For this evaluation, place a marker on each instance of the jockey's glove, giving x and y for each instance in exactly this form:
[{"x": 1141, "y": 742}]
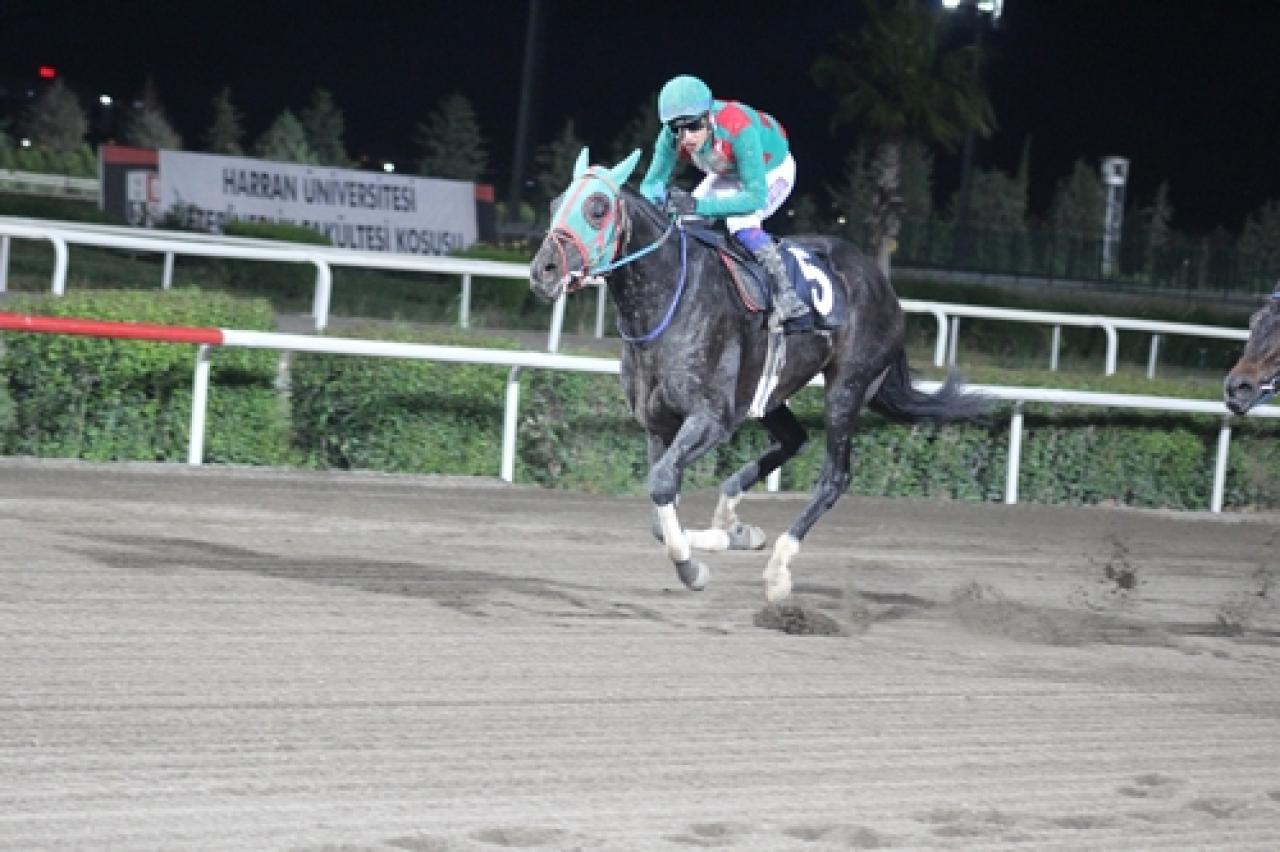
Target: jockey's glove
[{"x": 680, "y": 203}]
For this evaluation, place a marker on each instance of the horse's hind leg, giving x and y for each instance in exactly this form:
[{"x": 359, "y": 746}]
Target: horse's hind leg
[
  {"x": 839, "y": 421},
  {"x": 788, "y": 439}
]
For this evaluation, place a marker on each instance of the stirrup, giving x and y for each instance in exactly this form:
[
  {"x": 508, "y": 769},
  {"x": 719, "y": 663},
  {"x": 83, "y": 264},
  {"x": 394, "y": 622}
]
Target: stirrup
[{"x": 775, "y": 359}]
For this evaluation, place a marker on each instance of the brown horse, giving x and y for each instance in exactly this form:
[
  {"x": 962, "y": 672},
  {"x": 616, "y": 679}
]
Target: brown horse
[
  {"x": 1254, "y": 378},
  {"x": 693, "y": 357}
]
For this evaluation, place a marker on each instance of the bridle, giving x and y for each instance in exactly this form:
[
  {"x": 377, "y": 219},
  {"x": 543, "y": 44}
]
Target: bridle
[
  {"x": 608, "y": 238},
  {"x": 1268, "y": 388}
]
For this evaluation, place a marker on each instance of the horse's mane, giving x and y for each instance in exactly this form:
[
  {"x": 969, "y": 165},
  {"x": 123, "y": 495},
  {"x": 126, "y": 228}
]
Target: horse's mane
[{"x": 646, "y": 208}]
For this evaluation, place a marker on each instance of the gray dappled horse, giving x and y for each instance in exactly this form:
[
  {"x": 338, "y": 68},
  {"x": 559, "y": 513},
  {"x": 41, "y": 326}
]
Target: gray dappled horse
[
  {"x": 693, "y": 356},
  {"x": 1254, "y": 377}
]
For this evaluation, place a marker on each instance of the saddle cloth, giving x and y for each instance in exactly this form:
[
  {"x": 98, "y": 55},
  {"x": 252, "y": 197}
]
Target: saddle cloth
[{"x": 810, "y": 273}]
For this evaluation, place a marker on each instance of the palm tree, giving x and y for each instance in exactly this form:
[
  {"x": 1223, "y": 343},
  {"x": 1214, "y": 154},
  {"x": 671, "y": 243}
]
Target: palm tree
[{"x": 896, "y": 81}]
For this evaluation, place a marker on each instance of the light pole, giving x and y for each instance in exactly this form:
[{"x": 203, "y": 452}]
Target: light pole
[
  {"x": 981, "y": 8},
  {"x": 1115, "y": 173},
  {"x": 532, "y": 37}
]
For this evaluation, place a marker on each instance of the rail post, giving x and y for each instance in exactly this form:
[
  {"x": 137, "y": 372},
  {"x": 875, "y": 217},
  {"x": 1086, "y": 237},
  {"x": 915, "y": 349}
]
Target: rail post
[
  {"x": 510, "y": 421},
  {"x": 1220, "y": 466},
  {"x": 464, "y": 306},
  {"x": 199, "y": 404},
  {"x": 1015, "y": 456}
]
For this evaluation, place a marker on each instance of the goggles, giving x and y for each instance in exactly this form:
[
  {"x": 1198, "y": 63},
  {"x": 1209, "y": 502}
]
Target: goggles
[{"x": 692, "y": 125}]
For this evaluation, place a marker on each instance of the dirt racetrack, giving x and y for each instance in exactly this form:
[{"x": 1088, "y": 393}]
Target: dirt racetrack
[{"x": 231, "y": 659}]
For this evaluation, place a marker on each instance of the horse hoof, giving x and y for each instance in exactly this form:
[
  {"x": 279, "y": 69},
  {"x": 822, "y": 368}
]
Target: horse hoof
[
  {"x": 777, "y": 588},
  {"x": 743, "y": 537},
  {"x": 693, "y": 574},
  {"x": 655, "y": 527}
]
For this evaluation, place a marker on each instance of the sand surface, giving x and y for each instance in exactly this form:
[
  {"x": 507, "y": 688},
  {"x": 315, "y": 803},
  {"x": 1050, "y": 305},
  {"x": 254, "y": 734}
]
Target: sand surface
[{"x": 231, "y": 659}]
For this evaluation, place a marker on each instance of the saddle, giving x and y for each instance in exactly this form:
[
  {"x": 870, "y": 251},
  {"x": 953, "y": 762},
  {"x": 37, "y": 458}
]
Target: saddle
[{"x": 811, "y": 275}]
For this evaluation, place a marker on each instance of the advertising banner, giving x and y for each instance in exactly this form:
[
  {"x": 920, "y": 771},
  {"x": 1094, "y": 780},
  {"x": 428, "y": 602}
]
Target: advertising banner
[
  {"x": 366, "y": 211},
  {"x": 128, "y": 184}
]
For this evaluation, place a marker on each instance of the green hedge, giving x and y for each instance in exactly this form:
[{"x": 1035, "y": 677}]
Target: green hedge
[
  {"x": 575, "y": 432},
  {"x": 398, "y": 415},
  {"x": 90, "y": 398},
  {"x": 97, "y": 399}
]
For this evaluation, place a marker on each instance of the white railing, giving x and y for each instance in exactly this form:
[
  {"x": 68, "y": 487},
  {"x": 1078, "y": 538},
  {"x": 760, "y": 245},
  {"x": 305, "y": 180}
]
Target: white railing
[
  {"x": 59, "y": 186},
  {"x": 208, "y": 338},
  {"x": 949, "y": 323},
  {"x": 548, "y": 361},
  {"x": 173, "y": 243},
  {"x": 170, "y": 244}
]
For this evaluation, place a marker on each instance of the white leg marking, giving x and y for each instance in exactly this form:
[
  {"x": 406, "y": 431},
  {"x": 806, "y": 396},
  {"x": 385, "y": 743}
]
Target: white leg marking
[
  {"x": 726, "y": 512},
  {"x": 708, "y": 539},
  {"x": 676, "y": 540},
  {"x": 777, "y": 576}
]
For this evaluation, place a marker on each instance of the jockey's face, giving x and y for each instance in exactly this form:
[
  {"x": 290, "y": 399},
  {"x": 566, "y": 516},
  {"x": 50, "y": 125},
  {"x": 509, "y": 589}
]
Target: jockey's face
[{"x": 691, "y": 133}]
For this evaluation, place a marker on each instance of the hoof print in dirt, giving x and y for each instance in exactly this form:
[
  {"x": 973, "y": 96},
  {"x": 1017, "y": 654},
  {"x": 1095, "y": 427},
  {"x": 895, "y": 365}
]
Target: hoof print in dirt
[{"x": 797, "y": 620}]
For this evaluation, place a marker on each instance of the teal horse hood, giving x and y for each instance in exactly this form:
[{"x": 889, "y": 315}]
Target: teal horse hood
[{"x": 587, "y": 214}]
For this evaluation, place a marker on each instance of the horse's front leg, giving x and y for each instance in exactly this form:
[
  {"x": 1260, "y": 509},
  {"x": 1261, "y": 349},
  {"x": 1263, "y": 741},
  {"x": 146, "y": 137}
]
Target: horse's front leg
[
  {"x": 698, "y": 434},
  {"x": 788, "y": 439}
]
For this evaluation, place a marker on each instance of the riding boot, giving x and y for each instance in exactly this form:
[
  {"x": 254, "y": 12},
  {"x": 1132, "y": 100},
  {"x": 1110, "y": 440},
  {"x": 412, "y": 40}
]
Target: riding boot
[{"x": 786, "y": 304}]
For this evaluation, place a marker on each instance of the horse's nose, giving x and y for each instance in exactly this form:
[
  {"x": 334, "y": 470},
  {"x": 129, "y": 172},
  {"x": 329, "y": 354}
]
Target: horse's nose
[
  {"x": 1237, "y": 385},
  {"x": 1239, "y": 392},
  {"x": 544, "y": 269}
]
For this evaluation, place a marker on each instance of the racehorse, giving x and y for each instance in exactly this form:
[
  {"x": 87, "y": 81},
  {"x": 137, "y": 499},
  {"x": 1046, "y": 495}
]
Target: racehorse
[
  {"x": 693, "y": 357},
  {"x": 1254, "y": 378}
]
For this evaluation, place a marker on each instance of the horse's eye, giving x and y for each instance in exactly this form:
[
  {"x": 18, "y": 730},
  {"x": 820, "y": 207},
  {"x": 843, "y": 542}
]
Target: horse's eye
[{"x": 596, "y": 209}]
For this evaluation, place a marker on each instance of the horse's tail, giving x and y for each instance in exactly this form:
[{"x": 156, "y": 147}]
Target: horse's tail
[{"x": 898, "y": 398}]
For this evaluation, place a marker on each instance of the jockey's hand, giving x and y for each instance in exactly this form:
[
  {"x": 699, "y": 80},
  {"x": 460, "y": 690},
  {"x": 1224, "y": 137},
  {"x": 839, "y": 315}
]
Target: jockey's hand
[{"x": 680, "y": 203}]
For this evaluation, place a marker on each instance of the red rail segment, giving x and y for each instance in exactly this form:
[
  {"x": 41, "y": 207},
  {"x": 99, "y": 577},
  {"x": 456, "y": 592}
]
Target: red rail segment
[{"x": 110, "y": 328}]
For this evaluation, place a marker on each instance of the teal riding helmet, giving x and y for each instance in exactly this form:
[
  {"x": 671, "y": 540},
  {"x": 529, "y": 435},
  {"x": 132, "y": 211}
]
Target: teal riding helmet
[{"x": 682, "y": 97}]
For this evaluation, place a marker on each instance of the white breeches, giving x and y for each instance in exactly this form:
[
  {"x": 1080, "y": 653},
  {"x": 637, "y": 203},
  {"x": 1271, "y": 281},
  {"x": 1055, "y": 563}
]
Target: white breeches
[{"x": 779, "y": 180}]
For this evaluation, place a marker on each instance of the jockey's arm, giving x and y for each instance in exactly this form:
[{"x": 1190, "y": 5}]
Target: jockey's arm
[
  {"x": 654, "y": 185},
  {"x": 748, "y": 154}
]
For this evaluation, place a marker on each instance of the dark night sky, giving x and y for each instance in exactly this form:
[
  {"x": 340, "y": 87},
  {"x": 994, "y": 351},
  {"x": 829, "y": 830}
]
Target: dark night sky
[{"x": 1186, "y": 91}]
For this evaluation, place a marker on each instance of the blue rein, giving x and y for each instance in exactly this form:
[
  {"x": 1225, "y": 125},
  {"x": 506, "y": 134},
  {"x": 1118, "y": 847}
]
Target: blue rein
[
  {"x": 635, "y": 255},
  {"x": 671, "y": 309}
]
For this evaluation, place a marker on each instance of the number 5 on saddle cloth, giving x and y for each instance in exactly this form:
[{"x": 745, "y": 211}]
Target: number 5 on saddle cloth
[{"x": 811, "y": 276}]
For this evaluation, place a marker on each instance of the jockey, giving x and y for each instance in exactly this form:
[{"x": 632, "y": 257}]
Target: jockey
[{"x": 749, "y": 173}]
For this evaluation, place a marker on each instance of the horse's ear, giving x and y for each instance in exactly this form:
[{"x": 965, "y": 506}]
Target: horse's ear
[
  {"x": 580, "y": 165},
  {"x": 623, "y": 170}
]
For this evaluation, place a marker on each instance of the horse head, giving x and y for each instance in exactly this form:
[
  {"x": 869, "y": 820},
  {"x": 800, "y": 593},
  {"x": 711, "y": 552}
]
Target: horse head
[
  {"x": 589, "y": 223},
  {"x": 1254, "y": 378}
]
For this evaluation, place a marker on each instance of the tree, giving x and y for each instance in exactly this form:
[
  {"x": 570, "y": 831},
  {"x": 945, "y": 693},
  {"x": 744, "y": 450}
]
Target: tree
[
  {"x": 285, "y": 140},
  {"x": 147, "y": 126},
  {"x": 1158, "y": 221},
  {"x": 638, "y": 132},
  {"x": 554, "y": 161},
  {"x": 1260, "y": 240},
  {"x": 804, "y": 216},
  {"x": 998, "y": 201},
  {"x": 56, "y": 121},
  {"x": 227, "y": 130},
  {"x": 853, "y": 198},
  {"x": 1079, "y": 204},
  {"x": 450, "y": 142},
  {"x": 1076, "y": 215},
  {"x": 916, "y": 187},
  {"x": 323, "y": 125},
  {"x": 894, "y": 79}
]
